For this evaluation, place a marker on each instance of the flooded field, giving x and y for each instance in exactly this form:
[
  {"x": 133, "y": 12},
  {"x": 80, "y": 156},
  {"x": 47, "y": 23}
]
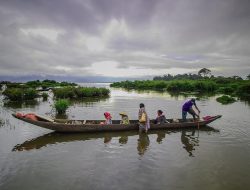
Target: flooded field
[{"x": 215, "y": 157}]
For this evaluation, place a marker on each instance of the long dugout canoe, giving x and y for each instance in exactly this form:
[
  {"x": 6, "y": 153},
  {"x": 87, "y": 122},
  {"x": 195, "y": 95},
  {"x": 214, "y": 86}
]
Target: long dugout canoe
[{"x": 85, "y": 126}]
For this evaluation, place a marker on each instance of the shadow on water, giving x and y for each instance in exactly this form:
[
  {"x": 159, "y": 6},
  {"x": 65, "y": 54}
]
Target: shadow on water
[
  {"x": 246, "y": 100},
  {"x": 21, "y": 104},
  {"x": 143, "y": 143},
  {"x": 89, "y": 101},
  {"x": 188, "y": 139},
  {"x": 199, "y": 95}
]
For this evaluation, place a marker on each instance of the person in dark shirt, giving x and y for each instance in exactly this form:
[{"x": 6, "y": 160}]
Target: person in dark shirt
[
  {"x": 160, "y": 118},
  {"x": 188, "y": 108}
]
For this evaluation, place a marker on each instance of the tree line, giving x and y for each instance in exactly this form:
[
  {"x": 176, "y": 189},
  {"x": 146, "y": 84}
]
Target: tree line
[{"x": 203, "y": 73}]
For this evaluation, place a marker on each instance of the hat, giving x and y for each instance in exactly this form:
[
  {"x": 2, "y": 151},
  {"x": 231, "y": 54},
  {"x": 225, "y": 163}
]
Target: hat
[{"x": 123, "y": 113}]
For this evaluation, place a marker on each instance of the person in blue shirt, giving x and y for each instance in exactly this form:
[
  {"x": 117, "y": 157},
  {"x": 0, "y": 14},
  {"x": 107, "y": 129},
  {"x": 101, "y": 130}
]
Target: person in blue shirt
[{"x": 188, "y": 108}]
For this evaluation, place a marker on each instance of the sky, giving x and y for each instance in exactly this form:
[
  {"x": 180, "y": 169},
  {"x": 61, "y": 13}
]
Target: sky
[{"x": 116, "y": 38}]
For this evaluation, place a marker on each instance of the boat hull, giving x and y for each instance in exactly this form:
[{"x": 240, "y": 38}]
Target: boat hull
[{"x": 88, "y": 128}]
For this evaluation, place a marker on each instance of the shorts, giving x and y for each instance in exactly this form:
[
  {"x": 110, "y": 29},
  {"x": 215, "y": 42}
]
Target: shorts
[{"x": 184, "y": 115}]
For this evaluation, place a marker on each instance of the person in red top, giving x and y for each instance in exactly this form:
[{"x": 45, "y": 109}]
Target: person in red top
[{"x": 108, "y": 118}]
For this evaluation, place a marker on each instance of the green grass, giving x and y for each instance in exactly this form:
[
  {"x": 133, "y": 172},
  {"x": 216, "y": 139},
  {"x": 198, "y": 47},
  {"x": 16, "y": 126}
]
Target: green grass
[
  {"x": 172, "y": 86},
  {"x": 61, "y": 106},
  {"x": 80, "y": 92},
  {"x": 45, "y": 96},
  {"x": 48, "y": 83},
  {"x": 225, "y": 99},
  {"x": 37, "y": 83},
  {"x": 16, "y": 94}
]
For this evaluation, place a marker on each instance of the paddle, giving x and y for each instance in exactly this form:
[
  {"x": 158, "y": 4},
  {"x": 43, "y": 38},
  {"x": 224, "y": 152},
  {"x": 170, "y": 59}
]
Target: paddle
[{"x": 198, "y": 121}]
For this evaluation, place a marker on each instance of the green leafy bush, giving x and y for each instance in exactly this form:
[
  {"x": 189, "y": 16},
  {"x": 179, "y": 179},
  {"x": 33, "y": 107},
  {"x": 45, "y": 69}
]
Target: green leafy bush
[
  {"x": 45, "y": 96},
  {"x": 81, "y": 92},
  {"x": 225, "y": 99},
  {"x": 61, "y": 106},
  {"x": 30, "y": 94},
  {"x": 16, "y": 94},
  {"x": 244, "y": 90}
]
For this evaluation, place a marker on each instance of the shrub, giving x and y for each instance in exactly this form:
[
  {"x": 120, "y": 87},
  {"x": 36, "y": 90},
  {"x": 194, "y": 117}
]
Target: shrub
[
  {"x": 226, "y": 90},
  {"x": 30, "y": 94},
  {"x": 66, "y": 92},
  {"x": 13, "y": 94},
  {"x": 243, "y": 90},
  {"x": 45, "y": 96},
  {"x": 16, "y": 94},
  {"x": 81, "y": 92},
  {"x": 225, "y": 99},
  {"x": 61, "y": 106}
]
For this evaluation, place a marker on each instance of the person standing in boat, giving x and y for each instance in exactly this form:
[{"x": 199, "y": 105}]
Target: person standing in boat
[
  {"x": 144, "y": 122},
  {"x": 188, "y": 108}
]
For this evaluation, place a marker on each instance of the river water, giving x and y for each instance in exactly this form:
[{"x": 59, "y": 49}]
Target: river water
[{"x": 214, "y": 157}]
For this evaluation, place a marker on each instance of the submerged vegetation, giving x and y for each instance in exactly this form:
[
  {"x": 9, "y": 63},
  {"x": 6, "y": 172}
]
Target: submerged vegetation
[
  {"x": 225, "y": 99},
  {"x": 80, "y": 92},
  {"x": 203, "y": 85},
  {"x": 200, "y": 83},
  {"x": 61, "y": 106},
  {"x": 45, "y": 96},
  {"x": 61, "y": 90},
  {"x": 45, "y": 84},
  {"x": 17, "y": 94}
]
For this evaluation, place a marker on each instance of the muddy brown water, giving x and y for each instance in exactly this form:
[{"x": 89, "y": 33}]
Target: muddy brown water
[{"x": 215, "y": 157}]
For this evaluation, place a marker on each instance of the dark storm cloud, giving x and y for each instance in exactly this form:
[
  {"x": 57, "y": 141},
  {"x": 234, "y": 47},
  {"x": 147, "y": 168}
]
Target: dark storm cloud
[{"x": 68, "y": 36}]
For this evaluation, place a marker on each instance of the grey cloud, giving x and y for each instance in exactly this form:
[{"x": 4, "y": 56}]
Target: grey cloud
[{"x": 215, "y": 32}]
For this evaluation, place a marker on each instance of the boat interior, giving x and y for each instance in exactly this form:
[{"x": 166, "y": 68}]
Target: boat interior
[{"x": 113, "y": 121}]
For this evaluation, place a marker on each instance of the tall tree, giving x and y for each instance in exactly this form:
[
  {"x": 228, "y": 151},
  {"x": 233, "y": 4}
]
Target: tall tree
[
  {"x": 248, "y": 77},
  {"x": 204, "y": 72}
]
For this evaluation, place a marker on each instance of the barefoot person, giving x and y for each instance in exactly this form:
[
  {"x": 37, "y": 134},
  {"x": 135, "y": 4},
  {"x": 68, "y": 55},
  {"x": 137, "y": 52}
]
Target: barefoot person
[{"x": 188, "y": 108}]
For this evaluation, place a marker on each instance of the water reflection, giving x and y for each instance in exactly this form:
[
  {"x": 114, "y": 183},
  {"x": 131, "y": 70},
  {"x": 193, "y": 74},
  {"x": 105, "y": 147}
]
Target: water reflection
[
  {"x": 21, "y": 104},
  {"x": 189, "y": 139},
  {"x": 123, "y": 139},
  {"x": 143, "y": 143},
  {"x": 56, "y": 138},
  {"x": 61, "y": 116},
  {"x": 162, "y": 93},
  {"x": 89, "y": 102},
  {"x": 160, "y": 136},
  {"x": 1, "y": 122}
]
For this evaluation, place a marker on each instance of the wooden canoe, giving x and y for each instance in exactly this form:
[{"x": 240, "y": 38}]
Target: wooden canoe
[{"x": 84, "y": 126}]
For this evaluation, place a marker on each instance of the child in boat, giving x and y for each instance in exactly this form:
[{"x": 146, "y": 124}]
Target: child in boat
[
  {"x": 108, "y": 118},
  {"x": 125, "y": 119},
  {"x": 160, "y": 118}
]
